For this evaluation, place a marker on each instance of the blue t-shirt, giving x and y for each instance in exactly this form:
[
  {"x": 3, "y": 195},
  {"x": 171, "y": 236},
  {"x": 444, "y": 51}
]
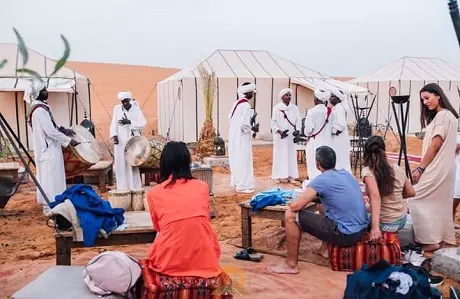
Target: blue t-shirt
[{"x": 343, "y": 201}]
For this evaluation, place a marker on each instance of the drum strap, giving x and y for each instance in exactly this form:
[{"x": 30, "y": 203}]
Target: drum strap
[
  {"x": 286, "y": 118},
  {"x": 237, "y": 104},
  {"x": 35, "y": 107},
  {"x": 329, "y": 111}
]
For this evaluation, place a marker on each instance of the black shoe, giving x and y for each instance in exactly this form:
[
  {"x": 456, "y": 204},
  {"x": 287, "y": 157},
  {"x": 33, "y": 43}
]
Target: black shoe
[
  {"x": 454, "y": 293},
  {"x": 412, "y": 247}
]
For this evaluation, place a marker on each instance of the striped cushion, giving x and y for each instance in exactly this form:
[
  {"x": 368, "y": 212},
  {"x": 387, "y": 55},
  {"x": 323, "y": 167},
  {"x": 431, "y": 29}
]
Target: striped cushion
[
  {"x": 158, "y": 286},
  {"x": 366, "y": 252}
]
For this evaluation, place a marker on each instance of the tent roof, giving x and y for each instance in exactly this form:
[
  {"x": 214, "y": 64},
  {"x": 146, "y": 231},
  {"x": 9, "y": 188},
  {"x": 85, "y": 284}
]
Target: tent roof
[
  {"x": 10, "y": 80},
  {"x": 263, "y": 64},
  {"x": 248, "y": 64},
  {"x": 412, "y": 69}
]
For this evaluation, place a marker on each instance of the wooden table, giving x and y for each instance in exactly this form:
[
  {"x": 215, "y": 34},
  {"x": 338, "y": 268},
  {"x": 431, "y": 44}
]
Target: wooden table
[
  {"x": 10, "y": 169},
  {"x": 101, "y": 169},
  {"x": 270, "y": 212},
  {"x": 139, "y": 231}
]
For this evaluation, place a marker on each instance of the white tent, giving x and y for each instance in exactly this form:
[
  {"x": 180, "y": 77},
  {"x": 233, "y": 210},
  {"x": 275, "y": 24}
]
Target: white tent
[
  {"x": 408, "y": 75},
  {"x": 180, "y": 97},
  {"x": 69, "y": 92}
]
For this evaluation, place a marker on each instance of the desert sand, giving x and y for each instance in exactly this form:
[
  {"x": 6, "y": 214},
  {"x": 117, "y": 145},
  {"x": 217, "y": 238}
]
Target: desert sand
[{"x": 27, "y": 246}]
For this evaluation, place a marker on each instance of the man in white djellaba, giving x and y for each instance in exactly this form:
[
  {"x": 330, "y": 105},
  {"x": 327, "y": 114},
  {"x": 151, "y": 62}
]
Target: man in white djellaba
[
  {"x": 48, "y": 141},
  {"x": 127, "y": 121},
  {"x": 318, "y": 130},
  {"x": 340, "y": 139},
  {"x": 285, "y": 124},
  {"x": 241, "y": 126}
]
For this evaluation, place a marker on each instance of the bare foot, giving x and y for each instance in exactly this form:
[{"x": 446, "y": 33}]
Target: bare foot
[
  {"x": 283, "y": 269},
  {"x": 431, "y": 247}
]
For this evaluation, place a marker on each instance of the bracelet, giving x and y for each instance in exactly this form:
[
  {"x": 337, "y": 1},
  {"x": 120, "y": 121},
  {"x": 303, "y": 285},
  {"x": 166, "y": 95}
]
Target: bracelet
[{"x": 420, "y": 169}]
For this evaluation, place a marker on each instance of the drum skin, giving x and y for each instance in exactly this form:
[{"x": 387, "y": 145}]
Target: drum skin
[
  {"x": 83, "y": 156},
  {"x": 144, "y": 153}
]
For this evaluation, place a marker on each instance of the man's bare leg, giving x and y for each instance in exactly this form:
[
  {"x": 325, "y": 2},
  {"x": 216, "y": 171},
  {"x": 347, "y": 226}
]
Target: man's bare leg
[
  {"x": 322, "y": 250},
  {"x": 293, "y": 235}
]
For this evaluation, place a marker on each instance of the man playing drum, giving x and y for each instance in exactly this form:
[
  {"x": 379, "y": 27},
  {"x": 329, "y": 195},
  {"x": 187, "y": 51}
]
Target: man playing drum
[
  {"x": 127, "y": 121},
  {"x": 48, "y": 141}
]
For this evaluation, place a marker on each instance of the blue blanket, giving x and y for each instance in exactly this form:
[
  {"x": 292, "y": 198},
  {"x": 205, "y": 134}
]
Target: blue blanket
[
  {"x": 271, "y": 197},
  {"x": 94, "y": 213}
]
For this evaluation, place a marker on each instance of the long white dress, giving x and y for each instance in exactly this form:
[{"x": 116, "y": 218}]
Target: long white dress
[
  {"x": 128, "y": 177},
  {"x": 341, "y": 143},
  {"x": 240, "y": 147},
  {"x": 284, "y": 150},
  {"x": 314, "y": 121},
  {"x": 48, "y": 144}
]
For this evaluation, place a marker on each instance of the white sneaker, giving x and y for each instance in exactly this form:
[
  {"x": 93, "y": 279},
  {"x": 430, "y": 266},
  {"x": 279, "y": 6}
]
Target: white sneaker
[
  {"x": 414, "y": 258},
  {"x": 246, "y": 191}
]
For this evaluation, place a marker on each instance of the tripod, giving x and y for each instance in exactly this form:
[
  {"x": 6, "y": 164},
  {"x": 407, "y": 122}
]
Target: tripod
[
  {"x": 14, "y": 140},
  {"x": 401, "y": 123},
  {"x": 361, "y": 113}
]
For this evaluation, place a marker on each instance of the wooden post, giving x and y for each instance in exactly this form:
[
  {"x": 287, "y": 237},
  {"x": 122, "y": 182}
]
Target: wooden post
[
  {"x": 110, "y": 174},
  {"x": 63, "y": 251},
  {"x": 246, "y": 227},
  {"x": 102, "y": 186}
]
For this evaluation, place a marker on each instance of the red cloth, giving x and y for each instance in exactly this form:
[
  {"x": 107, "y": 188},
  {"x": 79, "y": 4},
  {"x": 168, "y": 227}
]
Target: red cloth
[{"x": 186, "y": 244}]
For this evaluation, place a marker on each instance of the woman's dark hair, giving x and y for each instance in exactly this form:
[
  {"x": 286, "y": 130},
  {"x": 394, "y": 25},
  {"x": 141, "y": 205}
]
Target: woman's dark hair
[
  {"x": 175, "y": 162},
  {"x": 376, "y": 160},
  {"x": 427, "y": 115}
]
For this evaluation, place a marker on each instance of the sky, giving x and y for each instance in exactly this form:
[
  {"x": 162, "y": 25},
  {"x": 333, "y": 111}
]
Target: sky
[{"x": 334, "y": 37}]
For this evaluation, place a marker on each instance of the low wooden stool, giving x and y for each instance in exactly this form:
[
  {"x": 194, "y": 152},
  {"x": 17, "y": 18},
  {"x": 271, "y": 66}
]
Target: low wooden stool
[
  {"x": 10, "y": 169},
  {"x": 101, "y": 169}
]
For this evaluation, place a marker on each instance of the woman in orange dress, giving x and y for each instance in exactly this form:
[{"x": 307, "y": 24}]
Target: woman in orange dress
[{"x": 186, "y": 244}]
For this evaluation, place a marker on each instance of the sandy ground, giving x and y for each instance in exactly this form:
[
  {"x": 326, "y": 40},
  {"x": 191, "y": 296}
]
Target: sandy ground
[{"x": 27, "y": 244}]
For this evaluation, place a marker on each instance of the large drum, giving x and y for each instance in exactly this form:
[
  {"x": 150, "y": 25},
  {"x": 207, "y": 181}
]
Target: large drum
[
  {"x": 143, "y": 152},
  {"x": 81, "y": 157}
]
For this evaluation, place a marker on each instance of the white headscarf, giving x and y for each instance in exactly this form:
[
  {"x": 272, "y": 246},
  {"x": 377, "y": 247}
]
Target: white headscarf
[
  {"x": 245, "y": 89},
  {"x": 284, "y": 91},
  {"x": 322, "y": 95},
  {"x": 124, "y": 95},
  {"x": 32, "y": 93},
  {"x": 342, "y": 97}
]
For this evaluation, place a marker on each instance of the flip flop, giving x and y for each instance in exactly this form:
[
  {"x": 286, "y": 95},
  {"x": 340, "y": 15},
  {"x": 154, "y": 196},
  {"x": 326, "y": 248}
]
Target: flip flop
[{"x": 248, "y": 254}]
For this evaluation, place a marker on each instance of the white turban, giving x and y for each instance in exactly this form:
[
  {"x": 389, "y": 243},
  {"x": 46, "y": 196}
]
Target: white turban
[
  {"x": 124, "y": 95},
  {"x": 285, "y": 91},
  {"x": 322, "y": 95},
  {"x": 246, "y": 88},
  {"x": 32, "y": 93},
  {"x": 341, "y": 96}
]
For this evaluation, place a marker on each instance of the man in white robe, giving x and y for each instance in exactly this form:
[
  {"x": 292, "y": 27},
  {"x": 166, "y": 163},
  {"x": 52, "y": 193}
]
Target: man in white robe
[
  {"x": 286, "y": 124},
  {"x": 48, "y": 141},
  {"x": 239, "y": 140},
  {"x": 318, "y": 130},
  {"x": 340, "y": 139},
  {"x": 127, "y": 121}
]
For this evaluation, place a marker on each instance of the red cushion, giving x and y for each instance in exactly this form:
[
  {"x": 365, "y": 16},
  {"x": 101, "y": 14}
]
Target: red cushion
[
  {"x": 366, "y": 252},
  {"x": 158, "y": 286}
]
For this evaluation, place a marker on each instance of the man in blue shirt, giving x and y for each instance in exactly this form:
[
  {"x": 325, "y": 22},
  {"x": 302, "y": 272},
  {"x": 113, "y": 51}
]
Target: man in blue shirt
[{"x": 345, "y": 221}]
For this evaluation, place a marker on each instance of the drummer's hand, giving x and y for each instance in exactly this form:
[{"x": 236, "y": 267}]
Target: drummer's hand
[
  {"x": 74, "y": 142},
  {"x": 124, "y": 121},
  {"x": 115, "y": 139},
  {"x": 70, "y": 132}
]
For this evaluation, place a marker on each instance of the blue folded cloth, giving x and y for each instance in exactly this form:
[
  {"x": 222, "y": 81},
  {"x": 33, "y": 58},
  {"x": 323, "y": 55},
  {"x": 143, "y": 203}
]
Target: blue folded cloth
[
  {"x": 272, "y": 197},
  {"x": 94, "y": 213}
]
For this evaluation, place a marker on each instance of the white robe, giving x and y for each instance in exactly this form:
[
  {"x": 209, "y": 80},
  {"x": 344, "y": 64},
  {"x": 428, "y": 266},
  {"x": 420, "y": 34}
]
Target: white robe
[
  {"x": 284, "y": 150},
  {"x": 341, "y": 142},
  {"x": 240, "y": 147},
  {"x": 127, "y": 176},
  {"x": 313, "y": 122},
  {"x": 48, "y": 144}
]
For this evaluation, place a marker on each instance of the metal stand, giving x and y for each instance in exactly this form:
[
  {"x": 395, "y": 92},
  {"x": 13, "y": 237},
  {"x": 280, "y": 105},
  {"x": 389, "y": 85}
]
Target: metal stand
[
  {"x": 401, "y": 123},
  {"x": 360, "y": 113},
  {"x": 9, "y": 133}
]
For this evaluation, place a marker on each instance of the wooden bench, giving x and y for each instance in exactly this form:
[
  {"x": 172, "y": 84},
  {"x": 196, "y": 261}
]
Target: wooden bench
[
  {"x": 10, "y": 169},
  {"x": 104, "y": 171},
  {"x": 139, "y": 231},
  {"x": 270, "y": 212}
]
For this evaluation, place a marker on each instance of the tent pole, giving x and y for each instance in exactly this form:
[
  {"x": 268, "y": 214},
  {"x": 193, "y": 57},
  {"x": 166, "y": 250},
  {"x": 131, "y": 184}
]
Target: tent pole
[
  {"x": 89, "y": 97},
  {"x": 17, "y": 113}
]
